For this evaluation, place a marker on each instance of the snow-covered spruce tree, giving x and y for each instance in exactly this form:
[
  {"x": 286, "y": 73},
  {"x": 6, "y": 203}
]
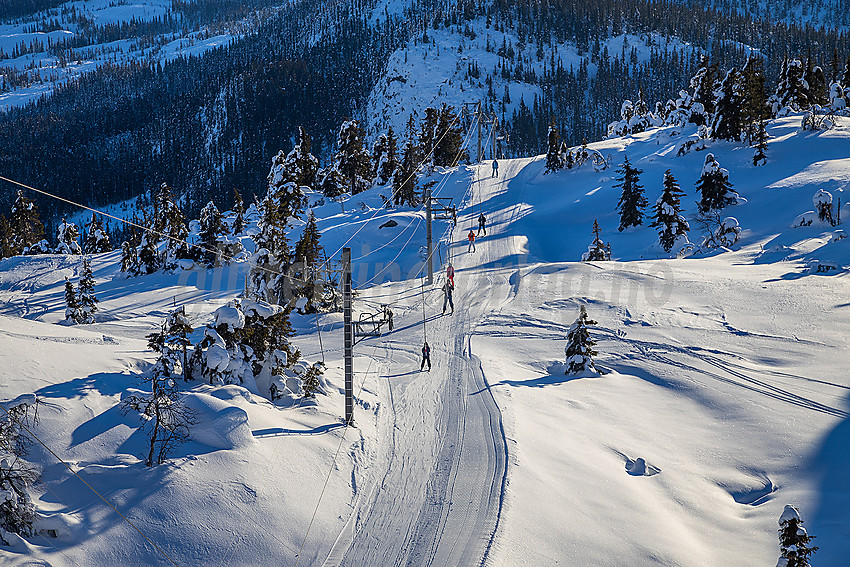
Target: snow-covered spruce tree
[
  {"x": 97, "y": 239},
  {"x": 404, "y": 178},
  {"x": 72, "y": 306},
  {"x": 792, "y": 90},
  {"x": 553, "y": 148},
  {"x": 815, "y": 79},
  {"x": 837, "y": 98},
  {"x": 717, "y": 231},
  {"x": 270, "y": 280},
  {"x": 311, "y": 380},
  {"x": 449, "y": 138},
  {"x": 166, "y": 420},
  {"x": 760, "y": 144},
  {"x": 794, "y": 542},
  {"x": 239, "y": 213},
  {"x": 598, "y": 250},
  {"x": 67, "y": 236},
  {"x": 667, "y": 216},
  {"x": 386, "y": 166},
  {"x": 300, "y": 163},
  {"x": 308, "y": 253},
  {"x": 632, "y": 200},
  {"x": 177, "y": 329},
  {"x": 24, "y": 224},
  {"x": 822, "y": 201},
  {"x": 754, "y": 105},
  {"x": 727, "y": 121},
  {"x": 703, "y": 83},
  {"x": 428, "y": 134},
  {"x": 246, "y": 342},
  {"x": 149, "y": 258},
  {"x": 714, "y": 187},
  {"x": 17, "y": 511},
  {"x": 6, "y": 242},
  {"x": 351, "y": 159},
  {"x": 579, "y": 350},
  {"x": 86, "y": 300},
  {"x": 129, "y": 258},
  {"x": 211, "y": 229}
]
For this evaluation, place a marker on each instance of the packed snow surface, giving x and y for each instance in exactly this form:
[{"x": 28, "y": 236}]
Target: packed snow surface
[{"x": 723, "y": 395}]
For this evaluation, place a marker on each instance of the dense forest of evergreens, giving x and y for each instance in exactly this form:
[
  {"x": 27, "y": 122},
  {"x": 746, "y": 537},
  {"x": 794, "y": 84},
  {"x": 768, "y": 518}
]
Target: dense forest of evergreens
[{"x": 209, "y": 124}]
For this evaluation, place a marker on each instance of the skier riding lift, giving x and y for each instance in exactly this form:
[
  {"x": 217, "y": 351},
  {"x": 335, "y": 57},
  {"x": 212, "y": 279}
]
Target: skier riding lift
[
  {"x": 481, "y": 220},
  {"x": 450, "y": 274},
  {"x": 448, "y": 287},
  {"x": 495, "y": 168},
  {"x": 471, "y": 237},
  {"x": 426, "y": 357}
]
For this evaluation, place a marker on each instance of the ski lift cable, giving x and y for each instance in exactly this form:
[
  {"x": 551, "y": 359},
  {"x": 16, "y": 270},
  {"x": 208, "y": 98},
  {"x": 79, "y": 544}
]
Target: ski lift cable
[
  {"x": 336, "y": 455},
  {"x": 421, "y": 163},
  {"x": 90, "y": 487},
  {"x": 440, "y": 187},
  {"x": 252, "y": 265}
]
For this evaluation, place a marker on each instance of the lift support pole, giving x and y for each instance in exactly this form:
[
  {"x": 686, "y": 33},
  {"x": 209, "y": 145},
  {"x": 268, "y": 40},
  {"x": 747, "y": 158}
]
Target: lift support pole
[
  {"x": 348, "y": 336},
  {"x": 428, "y": 260}
]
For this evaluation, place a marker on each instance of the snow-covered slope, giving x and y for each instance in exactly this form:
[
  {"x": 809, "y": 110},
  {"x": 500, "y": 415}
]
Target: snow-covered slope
[{"x": 724, "y": 396}]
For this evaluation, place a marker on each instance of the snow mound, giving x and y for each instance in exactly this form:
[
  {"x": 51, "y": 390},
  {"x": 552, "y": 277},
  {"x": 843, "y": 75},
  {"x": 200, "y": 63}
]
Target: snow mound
[
  {"x": 220, "y": 425},
  {"x": 639, "y": 467}
]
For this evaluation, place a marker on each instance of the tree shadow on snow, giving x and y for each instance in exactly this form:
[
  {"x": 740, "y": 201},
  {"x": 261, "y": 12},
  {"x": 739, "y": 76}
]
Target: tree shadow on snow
[
  {"x": 105, "y": 383},
  {"x": 280, "y": 431},
  {"x": 829, "y": 523}
]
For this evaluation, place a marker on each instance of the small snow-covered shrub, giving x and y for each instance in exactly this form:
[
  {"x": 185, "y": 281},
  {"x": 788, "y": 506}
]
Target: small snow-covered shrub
[
  {"x": 822, "y": 267},
  {"x": 579, "y": 350},
  {"x": 794, "y": 541},
  {"x": 822, "y": 201},
  {"x": 17, "y": 511},
  {"x": 804, "y": 219}
]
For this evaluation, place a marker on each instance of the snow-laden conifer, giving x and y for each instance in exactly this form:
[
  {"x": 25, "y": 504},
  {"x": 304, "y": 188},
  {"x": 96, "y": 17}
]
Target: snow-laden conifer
[
  {"x": 166, "y": 420},
  {"x": 667, "y": 216},
  {"x": 553, "y": 148},
  {"x": 17, "y": 511},
  {"x": 727, "y": 121},
  {"x": 579, "y": 350},
  {"x": 794, "y": 542},
  {"x": 632, "y": 200},
  {"x": 25, "y": 226},
  {"x": 597, "y": 250},
  {"x": 300, "y": 164},
  {"x": 86, "y": 300},
  {"x": 714, "y": 186},
  {"x": 72, "y": 306},
  {"x": 211, "y": 229},
  {"x": 67, "y": 235},
  {"x": 97, "y": 239},
  {"x": 822, "y": 201}
]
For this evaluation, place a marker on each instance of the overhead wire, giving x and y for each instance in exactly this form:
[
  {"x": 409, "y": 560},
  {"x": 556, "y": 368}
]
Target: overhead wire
[
  {"x": 90, "y": 487},
  {"x": 409, "y": 177},
  {"x": 440, "y": 186}
]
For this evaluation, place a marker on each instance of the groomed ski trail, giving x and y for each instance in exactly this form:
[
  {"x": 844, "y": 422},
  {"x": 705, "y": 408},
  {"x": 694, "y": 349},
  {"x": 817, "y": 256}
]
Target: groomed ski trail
[{"x": 436, "y": 491}]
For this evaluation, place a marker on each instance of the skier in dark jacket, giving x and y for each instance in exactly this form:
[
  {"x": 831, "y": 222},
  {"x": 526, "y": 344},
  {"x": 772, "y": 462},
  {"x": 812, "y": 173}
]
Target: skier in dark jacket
[
  {"x": 426, "y": 357},
  {"x": 495, "y": 169},
  {"x": 481, "y": 220},
  {"x": 448, "y": 288}
]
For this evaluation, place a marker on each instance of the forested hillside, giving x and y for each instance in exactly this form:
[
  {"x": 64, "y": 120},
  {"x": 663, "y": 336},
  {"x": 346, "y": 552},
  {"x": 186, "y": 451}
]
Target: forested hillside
[{"x": 209, "y": 124}]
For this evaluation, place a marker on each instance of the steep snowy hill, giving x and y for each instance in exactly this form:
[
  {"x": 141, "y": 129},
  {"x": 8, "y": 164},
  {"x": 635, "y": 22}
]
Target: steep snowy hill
[{"x": 723, "y": 397}]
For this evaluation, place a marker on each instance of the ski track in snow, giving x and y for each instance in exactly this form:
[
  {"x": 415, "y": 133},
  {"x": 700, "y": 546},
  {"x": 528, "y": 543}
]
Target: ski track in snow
[{"x": 442, "y": 477}]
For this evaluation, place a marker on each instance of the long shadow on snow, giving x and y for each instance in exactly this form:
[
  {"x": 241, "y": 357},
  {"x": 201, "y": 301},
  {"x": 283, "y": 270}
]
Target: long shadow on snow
[
  {"x": 829, "y": 523},
  {"x": 279, "y": 431},
  {"x": 105, "y": 383}
]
